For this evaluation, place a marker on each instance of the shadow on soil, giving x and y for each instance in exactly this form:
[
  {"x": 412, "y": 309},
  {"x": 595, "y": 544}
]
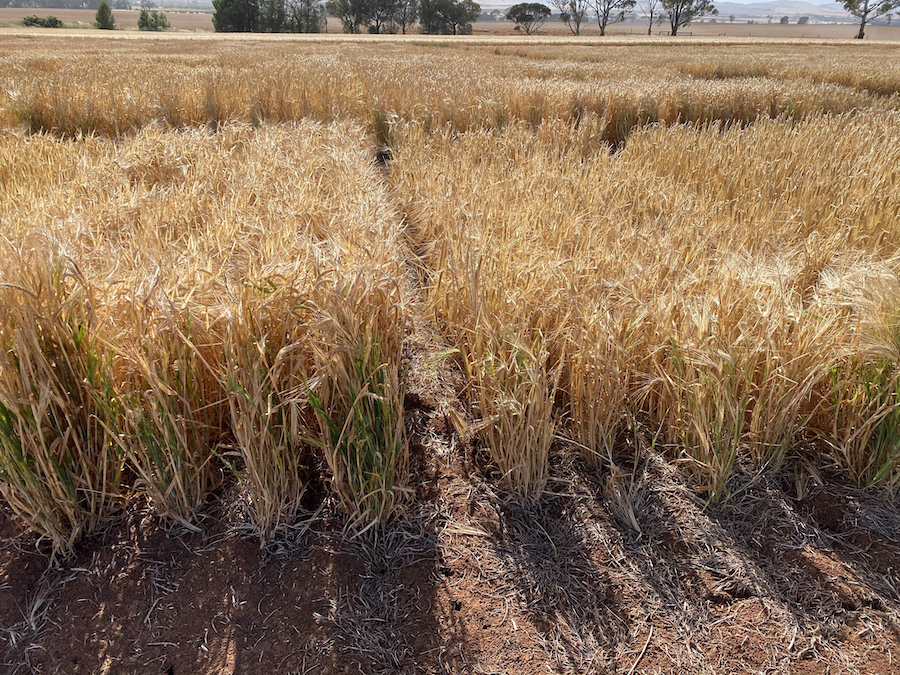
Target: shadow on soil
[
  {"x": 471, "y": 583},
  {"x": 759, "y": 579},
  {"x": 551, "y": 567}
]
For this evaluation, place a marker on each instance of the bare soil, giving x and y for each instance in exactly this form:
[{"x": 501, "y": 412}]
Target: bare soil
[{"x": 84, "y": 18}]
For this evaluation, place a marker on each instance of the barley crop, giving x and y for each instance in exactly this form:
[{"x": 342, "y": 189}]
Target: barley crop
[
  {"x": 61, "y": 457},
  {"x": 169, "y": 288},
  {"x": 205, "y": 273},
  {"x": 663, "y": 291}
]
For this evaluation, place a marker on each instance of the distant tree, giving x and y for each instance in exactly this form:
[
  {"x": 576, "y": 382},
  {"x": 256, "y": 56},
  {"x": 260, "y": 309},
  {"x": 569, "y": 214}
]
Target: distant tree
[
  {"x": 462, "y": 15},
  {"x": 803, "y": 20},
  {"x": 681, "y": 12},
  {"x": 529, "y": 16},
  {"x": 104, "y": 19},
  {"x": 304, "y": 16},
  {"x": 611, "y": 11},
  {"x": 380, "y": 15},
  {"x": 731, "y": 18},
  {"x": 888, "y": 19},
  {"x": 352, "y": 13},
  {"x": 653, "y": 10},
  {"x": 152, "y": 20},
  {"x": 42, "y": 22},
  {"x": 406, "y": 14},
  {"x": 572, "y": 13},
  {"x": 868, "y": 10},
  {"x": 448, "y": 17},
  {"x": 784, "y": 20},
  {"x": 122, "y": 4},
  {"x": 770, "y": 17},
  {"x": 234, "y": 16},
  {"x": 431, "y": 21},
  {"x": 270, "y": 16}
]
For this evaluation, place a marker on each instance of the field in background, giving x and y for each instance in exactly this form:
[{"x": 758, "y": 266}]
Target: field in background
[
  {"x": 202, "y": 21},
  {"x": 249, "y": 271},
  {"x": 84, "y": 18}
]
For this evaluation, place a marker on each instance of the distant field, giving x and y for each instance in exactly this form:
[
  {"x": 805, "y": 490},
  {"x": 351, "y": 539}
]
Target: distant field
[
  {"x": 124, "y": 19},
  {"x": 764, "y": 30},
  {"x": 706, "y": 29},
  {"x": 195, "y": 21}
]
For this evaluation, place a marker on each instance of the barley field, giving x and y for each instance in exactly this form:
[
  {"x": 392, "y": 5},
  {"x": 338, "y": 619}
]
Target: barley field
[{"x": 226, "y": 264}]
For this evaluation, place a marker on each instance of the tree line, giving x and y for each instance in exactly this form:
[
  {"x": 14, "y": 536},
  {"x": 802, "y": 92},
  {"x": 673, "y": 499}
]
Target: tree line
[
  {"x": 530, "y": 16},
  {"x": 268, "y": 16},
  {"x": 439, "y": 17},
  {"x": 576, "y": 13},
  {"x": 455, "y": 17}
]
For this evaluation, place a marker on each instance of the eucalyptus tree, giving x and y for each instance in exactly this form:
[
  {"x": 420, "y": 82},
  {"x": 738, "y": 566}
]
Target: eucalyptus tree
[{"x": 572, "y": 13}]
